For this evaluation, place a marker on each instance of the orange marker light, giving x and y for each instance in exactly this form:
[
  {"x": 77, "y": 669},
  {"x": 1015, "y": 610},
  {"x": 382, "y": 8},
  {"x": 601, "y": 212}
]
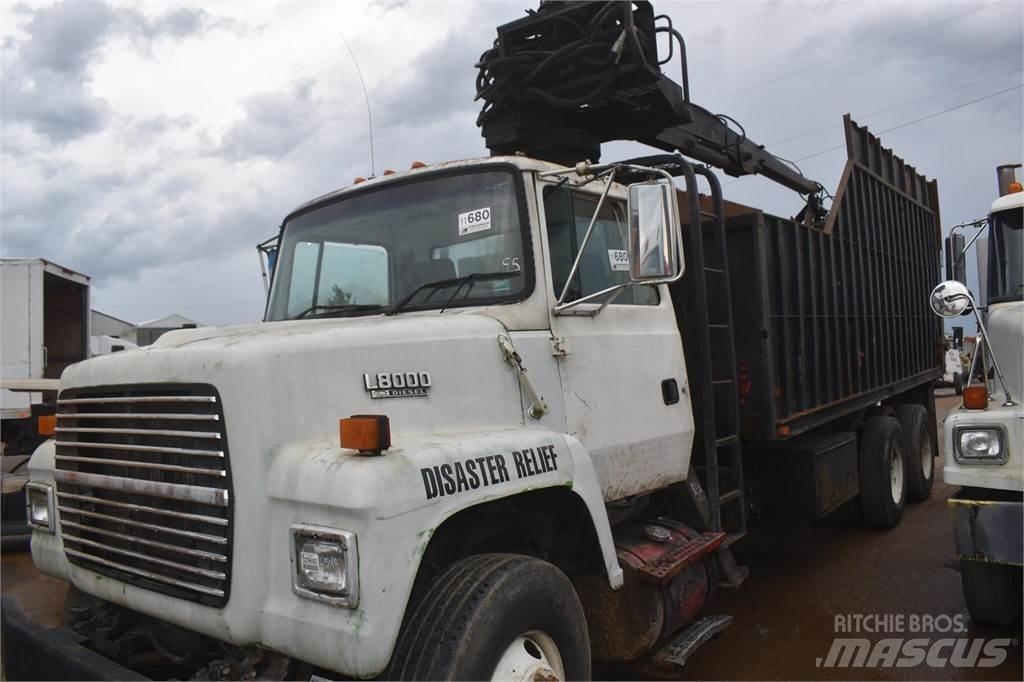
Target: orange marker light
[
  {"x": 783, "y": 430},
  {"x": 1016, "y": 187},
  {"x": 389, "y": 172},
  {"x": 47, "y": 424},
  {"x": 417, "y": 164},
  {"x": 367, "y": 433},
  {"x": 359, "y": 178},
  {"x": 976, "y": 397}
]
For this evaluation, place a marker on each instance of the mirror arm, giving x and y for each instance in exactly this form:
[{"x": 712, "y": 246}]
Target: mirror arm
[
  {"x": 612, "y": 297},
  {"x": 981, "y": 224},
  {"x": 991, "y": 353},
  {"x": 614, "y": 290},
  {"x": 586, "y": 240}
]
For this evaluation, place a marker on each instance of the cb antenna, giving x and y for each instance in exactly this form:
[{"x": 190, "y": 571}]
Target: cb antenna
[{"x": 366, "y": 96}]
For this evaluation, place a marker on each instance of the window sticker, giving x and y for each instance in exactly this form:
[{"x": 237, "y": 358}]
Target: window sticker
[
  {"x": 618, "y": 259},
  {"x": 477, "y": 220}
]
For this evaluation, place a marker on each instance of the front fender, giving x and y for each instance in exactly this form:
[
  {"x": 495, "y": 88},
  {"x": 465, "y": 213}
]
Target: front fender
[{"x": 394, "y": 503}]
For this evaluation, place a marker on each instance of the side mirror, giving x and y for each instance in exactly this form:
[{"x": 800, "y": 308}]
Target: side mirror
[
  {"x": 956, "y": 259},
  {"x": 950, "y": 299},
  {"x": 653, "y": 230}
]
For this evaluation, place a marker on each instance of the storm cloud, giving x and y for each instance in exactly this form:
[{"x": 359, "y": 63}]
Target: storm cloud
[{"x": 151, "y": 146}]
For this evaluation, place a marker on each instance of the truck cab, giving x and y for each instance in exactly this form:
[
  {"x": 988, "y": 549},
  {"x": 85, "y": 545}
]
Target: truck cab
[
  {"x": 984, "y": 435},
  {"x": 427, "y": 300}
]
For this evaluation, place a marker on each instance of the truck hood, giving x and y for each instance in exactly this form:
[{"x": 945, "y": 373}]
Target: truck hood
[
  {"x": 293, "y": 380},
  {"x": 1006, "y": 333}
]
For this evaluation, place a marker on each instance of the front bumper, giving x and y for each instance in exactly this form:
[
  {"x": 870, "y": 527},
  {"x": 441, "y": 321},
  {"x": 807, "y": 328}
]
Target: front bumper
[
  {"x": 32, "y": 652},
  {"x": 988, "y": 528}
]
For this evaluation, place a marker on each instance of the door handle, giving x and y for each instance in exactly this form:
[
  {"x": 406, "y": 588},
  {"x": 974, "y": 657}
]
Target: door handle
[{"x": 670, "y": 391}]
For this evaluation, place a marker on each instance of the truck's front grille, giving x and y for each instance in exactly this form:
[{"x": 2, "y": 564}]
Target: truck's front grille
[{"x": 144, "y": 487}]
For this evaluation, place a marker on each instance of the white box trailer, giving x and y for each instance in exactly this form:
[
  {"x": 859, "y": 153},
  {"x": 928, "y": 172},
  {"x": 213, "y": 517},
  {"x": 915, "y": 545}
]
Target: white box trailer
[{"x": 44, "y": 326}]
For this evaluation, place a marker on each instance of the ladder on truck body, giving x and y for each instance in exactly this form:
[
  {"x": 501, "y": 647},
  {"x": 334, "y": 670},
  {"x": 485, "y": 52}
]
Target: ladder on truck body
[{"x": 711, "y": 361}]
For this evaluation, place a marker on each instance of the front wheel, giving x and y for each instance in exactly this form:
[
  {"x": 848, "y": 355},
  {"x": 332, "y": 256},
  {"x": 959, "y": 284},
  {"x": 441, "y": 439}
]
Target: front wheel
[
  {"x": 992, "y": 591},
  {"x": 495, "y": 617}
]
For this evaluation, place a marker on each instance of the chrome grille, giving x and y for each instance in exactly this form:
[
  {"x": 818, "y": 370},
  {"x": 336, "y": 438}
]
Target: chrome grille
[{"x": 144, "y": 487}]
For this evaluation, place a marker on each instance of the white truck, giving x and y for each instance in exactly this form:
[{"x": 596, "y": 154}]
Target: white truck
[
  {"x": 45, "y": 312},
  {"x": 504, "y": 416},
  {"x": 984, "y": 436}
]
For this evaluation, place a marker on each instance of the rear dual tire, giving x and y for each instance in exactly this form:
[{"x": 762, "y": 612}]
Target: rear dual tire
[
  {"x": 917, "y": 449},
  {"x": 882, "y": 472}
]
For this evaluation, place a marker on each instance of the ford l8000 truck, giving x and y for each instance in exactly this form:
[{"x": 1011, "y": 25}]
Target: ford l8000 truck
[{"x": 504, "y": 416}]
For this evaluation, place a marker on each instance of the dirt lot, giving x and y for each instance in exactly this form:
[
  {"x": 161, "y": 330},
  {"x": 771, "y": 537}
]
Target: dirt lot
[{"x": 801, "y": 578}]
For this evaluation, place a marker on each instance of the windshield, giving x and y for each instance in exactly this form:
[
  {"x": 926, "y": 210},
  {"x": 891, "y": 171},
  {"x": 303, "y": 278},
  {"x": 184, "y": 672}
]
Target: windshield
[
  {"x": 405, "y": 244},
  {"x": 1006, "y": 257}
]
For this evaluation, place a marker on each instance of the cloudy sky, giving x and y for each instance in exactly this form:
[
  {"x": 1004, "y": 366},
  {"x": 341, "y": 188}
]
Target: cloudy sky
[{"x": 151, "y": 145}]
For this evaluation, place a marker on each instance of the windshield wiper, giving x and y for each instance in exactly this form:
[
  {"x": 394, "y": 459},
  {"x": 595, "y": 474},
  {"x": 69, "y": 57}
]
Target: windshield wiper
[
  {"x": 457, "y": 282},
  {"x": 329, "y": 309}
]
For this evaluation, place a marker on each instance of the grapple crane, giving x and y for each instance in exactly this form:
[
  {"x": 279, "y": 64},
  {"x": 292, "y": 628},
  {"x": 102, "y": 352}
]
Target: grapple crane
[{"x": 572, "y": 75}]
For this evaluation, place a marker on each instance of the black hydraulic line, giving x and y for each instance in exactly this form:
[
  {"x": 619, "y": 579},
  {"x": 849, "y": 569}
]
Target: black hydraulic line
[{"x": 571, "y": 76}]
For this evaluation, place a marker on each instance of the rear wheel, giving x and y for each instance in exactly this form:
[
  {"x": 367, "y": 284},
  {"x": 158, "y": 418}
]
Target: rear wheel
[
  {"x": 495, "y": 616},
  {"x": 882, "y": 472},
  {"x": 992, "y": 591},
  {"x": 917, "y": 447}
]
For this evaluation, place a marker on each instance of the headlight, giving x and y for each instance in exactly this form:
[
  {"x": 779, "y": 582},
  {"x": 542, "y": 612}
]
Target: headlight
[
  {"x": 980, "y": 445},
  {"x": 326, "y": 566},
  {"x": 39, "y": 506}
]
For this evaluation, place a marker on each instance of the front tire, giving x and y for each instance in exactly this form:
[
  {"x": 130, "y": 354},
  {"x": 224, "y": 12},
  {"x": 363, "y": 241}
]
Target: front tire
[
  {"x": 882, "y": 472},
  {"x": 992, "y": 591},
  {"x": 917, "y": 448},
  {"x": 495, "y": 614}
]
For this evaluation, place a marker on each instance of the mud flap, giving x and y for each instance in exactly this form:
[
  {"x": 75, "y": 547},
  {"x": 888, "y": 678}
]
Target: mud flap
[{"x": 679, "y": 649}]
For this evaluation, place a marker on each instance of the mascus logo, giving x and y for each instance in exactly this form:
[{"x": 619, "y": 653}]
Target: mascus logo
[{"x": 397, "y": 384}]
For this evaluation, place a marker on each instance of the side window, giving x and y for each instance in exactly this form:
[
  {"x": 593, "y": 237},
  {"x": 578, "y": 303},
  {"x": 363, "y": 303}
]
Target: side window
[{"x": 605, "y": 262}]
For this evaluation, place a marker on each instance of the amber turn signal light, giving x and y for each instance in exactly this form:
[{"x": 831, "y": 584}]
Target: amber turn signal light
[
  {"x": 976, "y": 397},
  {"x": 368, "y": 433},
  {"x": 46, "y": 424}
]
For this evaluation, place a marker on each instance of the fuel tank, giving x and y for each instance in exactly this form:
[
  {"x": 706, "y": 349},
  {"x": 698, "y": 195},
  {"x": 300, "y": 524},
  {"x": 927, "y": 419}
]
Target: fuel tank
[{"x": 629, "y": 622}]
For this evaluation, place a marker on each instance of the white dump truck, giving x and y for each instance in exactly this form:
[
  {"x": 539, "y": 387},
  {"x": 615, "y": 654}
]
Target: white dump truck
[
  {"x": 985, "y": 435},
  {"x": 504, "y": 416}
]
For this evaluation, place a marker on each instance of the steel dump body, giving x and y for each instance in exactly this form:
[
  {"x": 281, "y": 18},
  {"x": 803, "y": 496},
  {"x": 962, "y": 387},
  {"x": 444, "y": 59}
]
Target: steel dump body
[{"x": 829, "y": 321}]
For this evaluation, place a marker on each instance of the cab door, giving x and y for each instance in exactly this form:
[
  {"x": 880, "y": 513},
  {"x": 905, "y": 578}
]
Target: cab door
[{"x": 623, "y": 373}]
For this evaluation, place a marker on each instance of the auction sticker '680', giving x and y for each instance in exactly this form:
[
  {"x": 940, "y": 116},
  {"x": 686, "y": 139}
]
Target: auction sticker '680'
[{"x": 477, "y": 220}]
